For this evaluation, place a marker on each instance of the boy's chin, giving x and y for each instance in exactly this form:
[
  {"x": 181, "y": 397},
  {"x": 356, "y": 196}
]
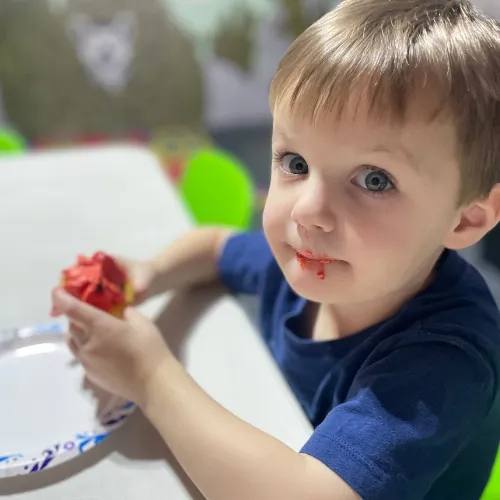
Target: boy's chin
[{"x": 313, "y": 283}]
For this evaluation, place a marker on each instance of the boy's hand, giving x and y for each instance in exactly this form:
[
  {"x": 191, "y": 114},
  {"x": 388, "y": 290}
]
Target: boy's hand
[
  {"x": 121, "y": 356},
  {"x": 142, "y": 275}
]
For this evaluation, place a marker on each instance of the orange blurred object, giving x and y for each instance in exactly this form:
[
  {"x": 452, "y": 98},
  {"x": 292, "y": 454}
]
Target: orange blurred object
[{"x": 99, "y": 281}]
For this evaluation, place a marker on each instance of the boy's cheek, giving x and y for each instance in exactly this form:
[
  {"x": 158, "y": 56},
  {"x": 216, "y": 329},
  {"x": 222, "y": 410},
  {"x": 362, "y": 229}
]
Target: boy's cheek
[{"x": 275, "y": 218}]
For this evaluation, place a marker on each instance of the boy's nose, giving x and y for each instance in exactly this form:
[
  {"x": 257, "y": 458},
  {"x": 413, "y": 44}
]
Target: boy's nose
[{"x": 312, "y": 211}]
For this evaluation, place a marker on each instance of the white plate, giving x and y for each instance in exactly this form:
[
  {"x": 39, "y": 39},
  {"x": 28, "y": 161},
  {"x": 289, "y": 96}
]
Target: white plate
[{"x": 48, "y": 413}]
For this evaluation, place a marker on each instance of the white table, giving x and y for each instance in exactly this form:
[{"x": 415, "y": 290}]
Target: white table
[{"x": 56, "y": 205}]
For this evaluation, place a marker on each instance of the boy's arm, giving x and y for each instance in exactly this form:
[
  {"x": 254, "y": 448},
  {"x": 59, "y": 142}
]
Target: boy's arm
[
  {"x": 226, "y": 457},
  {"x": 190, "y": 260},
  {"x": 407, "y": 415},
  {"x": 204, "y": 255}
]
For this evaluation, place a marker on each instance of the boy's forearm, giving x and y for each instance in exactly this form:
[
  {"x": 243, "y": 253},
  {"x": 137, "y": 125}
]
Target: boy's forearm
[
  {"x": 226, "y": 457},
  {"x": 190, "y": 260}
]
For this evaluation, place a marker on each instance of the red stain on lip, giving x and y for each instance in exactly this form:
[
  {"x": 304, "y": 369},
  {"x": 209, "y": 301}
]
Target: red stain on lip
[{"x": 311, "y": 262}]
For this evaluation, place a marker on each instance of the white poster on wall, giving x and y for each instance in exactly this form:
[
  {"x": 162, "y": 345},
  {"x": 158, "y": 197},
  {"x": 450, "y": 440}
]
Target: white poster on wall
[{"x": 105, "y": 50}]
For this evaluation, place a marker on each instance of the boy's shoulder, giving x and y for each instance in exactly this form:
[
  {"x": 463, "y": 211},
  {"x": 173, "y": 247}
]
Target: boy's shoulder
[
  {"x": 244, "y": 262},
  {"x": 457, "y": 303},
  {"x": 457, "y": 310}
]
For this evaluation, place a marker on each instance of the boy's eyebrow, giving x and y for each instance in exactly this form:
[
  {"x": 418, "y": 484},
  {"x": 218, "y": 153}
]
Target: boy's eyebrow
[{"x": 399, "y": 150}]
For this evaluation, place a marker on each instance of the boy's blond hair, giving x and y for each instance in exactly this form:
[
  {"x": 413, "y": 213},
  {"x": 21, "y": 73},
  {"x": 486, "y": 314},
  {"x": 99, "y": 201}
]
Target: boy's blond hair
[{"x": 444, "y": 51}]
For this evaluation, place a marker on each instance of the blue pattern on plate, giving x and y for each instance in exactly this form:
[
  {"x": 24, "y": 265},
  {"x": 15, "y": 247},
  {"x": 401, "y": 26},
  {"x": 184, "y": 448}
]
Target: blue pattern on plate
[{"x": 10, "y": 458}]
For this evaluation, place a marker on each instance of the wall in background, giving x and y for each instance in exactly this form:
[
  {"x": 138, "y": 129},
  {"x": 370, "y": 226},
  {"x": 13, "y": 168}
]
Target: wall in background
[
  {"x": 491, "y": 7},
  {"x": 103, "y": 66}
]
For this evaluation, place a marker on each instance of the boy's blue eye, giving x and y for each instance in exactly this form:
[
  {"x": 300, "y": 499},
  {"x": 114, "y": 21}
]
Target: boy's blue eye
[
  {"x": 294, "y": 164},
  {"x": 374, "y": 180}
]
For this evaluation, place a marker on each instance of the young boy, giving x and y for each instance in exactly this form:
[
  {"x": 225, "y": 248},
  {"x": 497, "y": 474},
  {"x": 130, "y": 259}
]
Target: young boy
[{"x": 386, "y": 161}]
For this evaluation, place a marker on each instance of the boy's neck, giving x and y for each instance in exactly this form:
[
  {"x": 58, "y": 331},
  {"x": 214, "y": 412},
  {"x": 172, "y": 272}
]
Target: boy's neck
[{"x": 335, "y": 321}]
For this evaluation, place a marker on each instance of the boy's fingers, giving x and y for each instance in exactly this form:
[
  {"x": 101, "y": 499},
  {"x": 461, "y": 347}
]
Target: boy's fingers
[
  {"x": 54, "y": 312},
  {"x": 78, "y": 334},
  {"x": 77, "y": 311}
]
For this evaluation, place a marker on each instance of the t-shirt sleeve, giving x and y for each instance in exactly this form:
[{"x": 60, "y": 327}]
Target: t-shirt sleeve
[
  {"x": 244, "y": 261},
  {"x": 406, "y": 417}
]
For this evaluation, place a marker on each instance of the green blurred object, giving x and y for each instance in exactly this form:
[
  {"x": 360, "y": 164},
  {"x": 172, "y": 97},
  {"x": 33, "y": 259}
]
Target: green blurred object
[
  {"x": 218, "y": 189},
  {"x": 11, "y": 142},
  {"x": 492, "y": 491}
]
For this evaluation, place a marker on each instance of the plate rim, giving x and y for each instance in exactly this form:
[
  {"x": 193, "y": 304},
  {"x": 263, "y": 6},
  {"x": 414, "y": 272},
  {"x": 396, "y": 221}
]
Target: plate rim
[{"x": 14, "y": 463}]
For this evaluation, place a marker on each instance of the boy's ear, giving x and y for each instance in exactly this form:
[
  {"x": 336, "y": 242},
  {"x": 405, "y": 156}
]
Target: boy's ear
[{"x": 474, "y": 221}]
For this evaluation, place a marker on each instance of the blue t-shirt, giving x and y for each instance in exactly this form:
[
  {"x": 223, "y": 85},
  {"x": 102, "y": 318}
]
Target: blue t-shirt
[{"x": 404, "y": 410}]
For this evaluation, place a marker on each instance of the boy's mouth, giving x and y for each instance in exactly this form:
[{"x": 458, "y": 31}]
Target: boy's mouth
[
  {"x": 307, "y": 254},
  {"x": 313, "y": 262}
]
